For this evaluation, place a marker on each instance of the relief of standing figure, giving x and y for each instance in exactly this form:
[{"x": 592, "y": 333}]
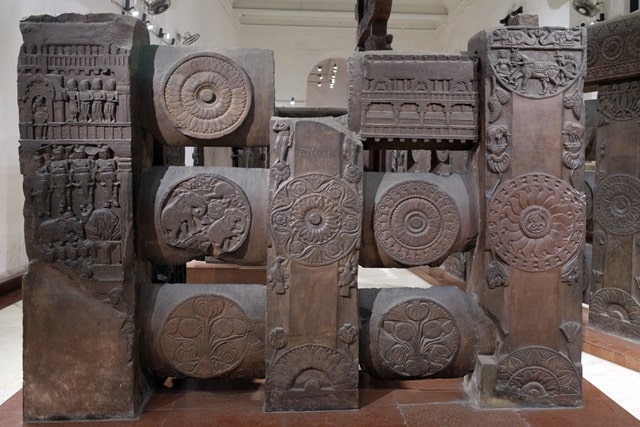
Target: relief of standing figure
[
  {"x": 98, "y": 98},
  {"x": 84, "y": 97}
]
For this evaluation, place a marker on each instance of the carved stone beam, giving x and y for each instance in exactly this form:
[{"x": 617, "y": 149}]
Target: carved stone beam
[
  {"x": 204, "y": 211},
  {"x": 528, "y": 262},
  {"x": 78, "y": 136},
  {"x": 315, "y": 218},
  {"x": 221, "y": 97}
]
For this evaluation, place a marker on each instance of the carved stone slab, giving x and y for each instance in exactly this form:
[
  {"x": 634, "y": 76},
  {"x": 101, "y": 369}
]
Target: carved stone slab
[
  {"x": 78, "y": 139},
  {"x": 315, "y": 218},
  {"x": 419, "y": 333},
  {"x": 615, "y": 303},
  {"x": 203, "y": 331},
  {"x": 416, "y": 218},
  {"x": 613, "y": 49},
  {"x": 204, "y": 211},
  {"x": 413, "y": 101},
  {"x": 372, "y": 17},
  {"x": 529, "y": 254},
  {"x": 222, "y": 97}
]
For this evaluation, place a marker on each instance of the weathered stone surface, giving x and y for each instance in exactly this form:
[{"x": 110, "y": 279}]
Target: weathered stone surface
[
  {"x": 315, "y": 218},
  {"x": 204, "y": 211},
  {"x": 613, "y": 49},
  {"x": 410, "y": 333},
  {"x": 78, "y": 152},
  {"x": 222, "y": 97},
  {"x": 530, "y": 251},
  {"x": 429, "y": 101},
  {"x": 372, "y": 17},
  {"x": 204, "y": 331}
]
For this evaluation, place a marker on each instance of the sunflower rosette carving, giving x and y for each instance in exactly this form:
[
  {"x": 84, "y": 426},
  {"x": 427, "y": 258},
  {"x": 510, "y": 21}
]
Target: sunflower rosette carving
[
  {"x": 536, "y": 222},
  {"x": 315, "y": 219}
]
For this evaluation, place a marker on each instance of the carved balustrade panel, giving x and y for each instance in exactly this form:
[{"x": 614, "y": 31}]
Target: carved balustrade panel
[
  {"x": 78, "y": 153},
  {"x": 529, "y": 256},
  {"x": 315, "y": 218}
]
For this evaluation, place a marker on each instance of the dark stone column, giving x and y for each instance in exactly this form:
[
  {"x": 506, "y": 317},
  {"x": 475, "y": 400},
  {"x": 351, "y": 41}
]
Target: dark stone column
[
  {"x": 315, "y": 218},
  {"x": 527, "y": 263},
  {"x": 78, "y": 139},
  {"x": 614, "y": 63}
]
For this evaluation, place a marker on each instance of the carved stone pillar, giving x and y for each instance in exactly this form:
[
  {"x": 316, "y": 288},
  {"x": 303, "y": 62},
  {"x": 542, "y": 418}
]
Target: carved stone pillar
[
  {"x": 528, "y": 259},
  {"x": 614, "y": 61},
  {"x": 77, "y": 142},
  {"x": 315, "y": 218}
]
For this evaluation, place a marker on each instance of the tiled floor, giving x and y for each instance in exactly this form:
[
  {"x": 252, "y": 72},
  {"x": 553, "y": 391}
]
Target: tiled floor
[{"x": 411, "y": 403}]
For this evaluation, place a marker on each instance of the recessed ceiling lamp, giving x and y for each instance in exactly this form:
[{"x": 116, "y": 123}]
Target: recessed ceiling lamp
[{"x": 587, "y": 7}]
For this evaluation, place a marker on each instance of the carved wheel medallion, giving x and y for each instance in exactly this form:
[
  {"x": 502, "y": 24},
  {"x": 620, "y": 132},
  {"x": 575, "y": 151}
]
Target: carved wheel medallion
[
  {"x": 204, "y": 212},
  {"x": 536, "y": 222},
  {"x": 418, "y": 338},
  {"x": 205, "y": 336},
  {"x": 207, "y": 96},
  {"x": 616, "y": 205},
  {"x": 416, "y": 223},
  {"x": 538, "y": 374},
  {"x": 315, "y": 219}
]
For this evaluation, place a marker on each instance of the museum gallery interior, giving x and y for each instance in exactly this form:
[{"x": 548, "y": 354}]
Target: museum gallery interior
[{"x": 352, "y": 212}]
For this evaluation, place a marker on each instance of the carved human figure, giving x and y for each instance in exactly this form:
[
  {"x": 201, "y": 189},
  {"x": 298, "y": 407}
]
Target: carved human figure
[
  {"x": 81, "y": 177},
  {"x": 498, "y": 160},
  {"x": 72, "y": 99},
  {"x": 111, "y": 99},
  {"x": 107, "y": 177},
  {"x": 40, "y": 189},
  {"x": 85, "y": 98},
  {"x": 40, "y": 113},
  {"x": 59, "y": 169},
  {"x": 98, "y": 98}
]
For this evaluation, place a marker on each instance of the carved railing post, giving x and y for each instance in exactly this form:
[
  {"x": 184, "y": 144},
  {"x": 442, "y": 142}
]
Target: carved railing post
[
  {"x": 614, "y": 64},
  {"x": 528, "y": 260},
  {"x": 315, "y": 218},
  {"x": 77, "y": 142}
]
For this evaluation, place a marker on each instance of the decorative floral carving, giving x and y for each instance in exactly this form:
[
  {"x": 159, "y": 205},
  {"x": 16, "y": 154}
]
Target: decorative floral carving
[
  {"x": 418, "y": 338},
  {"x": 539, "y": 375},
  {"x": 348, "y": 274},
  {"x": 536, "y": 222},
  {"x": 497, "y": 275},
  {"x": 277, "y": 276},
  {"x": 278, "y": 338},
  {"x": 575, "y": 102},
  {"x": 416, "y": 223},
  {"x": 207, "y": 96},
  {"x": 571, "y": 331},
  {"x": 280, "y": 170},
  {"x": 312, "y": 367},
  {"x": 617, "y": 304},
  {"x": 348, "y": 333},
  {"x": 616, "y": 204},
  {"x": 619, "y": 101},
  {"x": 572, "y": 271},
  {"x": 205, "y": 214},
  {"x": 205, "y": 336},
  {"x": 498, "y": 140},
  {"x": 315, "y": 219},
  {"x": 572, "y": 153}
]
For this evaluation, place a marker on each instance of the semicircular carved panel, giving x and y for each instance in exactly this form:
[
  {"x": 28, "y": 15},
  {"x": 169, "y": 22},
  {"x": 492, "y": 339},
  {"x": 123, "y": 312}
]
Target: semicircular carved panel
[
  {"x": 207, "y": 96},
  {"x": 616, "y": 205},
  {"x": 313, "y": 367},
  {"x": 617, "y": 304},
  {"x": 538, "y": 374},
  {"x": 315, "y": 219},
  {"x": 206, "y": 213},
  {"x": 205, "y": 336},
  {"x": 416, "y": 223},
  {"x": 418, "y": 338},
  {"x": 536, "y": 222}
]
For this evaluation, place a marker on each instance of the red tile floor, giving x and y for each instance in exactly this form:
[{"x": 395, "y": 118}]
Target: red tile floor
[{"x": 410, "y": 403}]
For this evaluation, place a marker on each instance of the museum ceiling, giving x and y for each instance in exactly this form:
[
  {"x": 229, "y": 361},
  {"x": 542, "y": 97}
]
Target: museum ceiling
[{"x": 407, "y": 14}]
